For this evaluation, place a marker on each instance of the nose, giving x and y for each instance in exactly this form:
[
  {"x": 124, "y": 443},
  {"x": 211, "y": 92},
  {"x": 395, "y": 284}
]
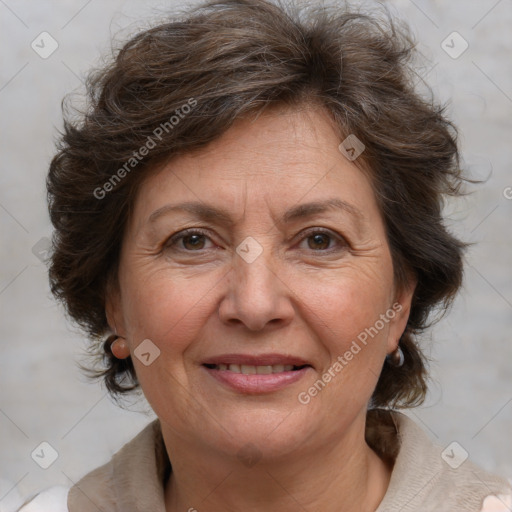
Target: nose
[{"x": 257, "y": 297}]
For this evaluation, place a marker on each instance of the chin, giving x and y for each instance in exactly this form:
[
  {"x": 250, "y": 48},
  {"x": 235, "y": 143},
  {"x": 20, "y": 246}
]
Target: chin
[{"x": 270, "y": 433}]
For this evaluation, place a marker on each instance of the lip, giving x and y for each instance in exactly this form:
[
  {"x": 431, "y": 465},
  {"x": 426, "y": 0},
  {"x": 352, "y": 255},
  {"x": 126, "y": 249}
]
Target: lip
[{"x": 256, "y": 383}]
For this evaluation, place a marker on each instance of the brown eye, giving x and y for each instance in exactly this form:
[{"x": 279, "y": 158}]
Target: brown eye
[
  {"x": 191, "y": 240},
  {"x": 324, "y": 241},
  {"x": 319, "y": 241}
]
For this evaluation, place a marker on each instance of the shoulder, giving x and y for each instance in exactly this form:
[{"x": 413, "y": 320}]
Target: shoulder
[
  {"x": 54, "y": 499},
  {"x": 430, "y": 477},
  {"x": 134, "y": 475}
]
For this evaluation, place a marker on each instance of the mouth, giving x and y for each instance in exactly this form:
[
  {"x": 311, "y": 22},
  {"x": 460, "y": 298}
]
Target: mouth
[
  {"x": 247, "y": 369},
  {"x": 256, "y": 374}
]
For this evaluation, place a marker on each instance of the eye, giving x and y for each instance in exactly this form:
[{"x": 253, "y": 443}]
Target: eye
[
  {"x": 320, "y": 240},
  {"x": 195, "y": 240},
  {"x": 189, "y": 240}
]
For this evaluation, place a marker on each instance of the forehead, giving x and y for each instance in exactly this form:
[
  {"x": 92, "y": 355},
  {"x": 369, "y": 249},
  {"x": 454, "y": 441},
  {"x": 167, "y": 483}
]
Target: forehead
[{"x": 274, "y": 161}]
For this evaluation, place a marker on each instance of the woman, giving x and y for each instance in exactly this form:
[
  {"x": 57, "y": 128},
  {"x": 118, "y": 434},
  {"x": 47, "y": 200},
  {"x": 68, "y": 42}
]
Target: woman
[{"x": 250, "y": 212}]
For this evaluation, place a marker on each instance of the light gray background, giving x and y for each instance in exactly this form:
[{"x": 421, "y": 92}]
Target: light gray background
[{"x": 43, "y": 397}]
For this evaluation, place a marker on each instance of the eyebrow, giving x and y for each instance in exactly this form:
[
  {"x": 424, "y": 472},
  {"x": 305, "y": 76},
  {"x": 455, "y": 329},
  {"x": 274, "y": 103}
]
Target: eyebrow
[{"x": 210, "y": 213}]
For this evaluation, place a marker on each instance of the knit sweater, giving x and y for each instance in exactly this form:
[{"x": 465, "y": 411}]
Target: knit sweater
[{"x": 425, "y": 478}]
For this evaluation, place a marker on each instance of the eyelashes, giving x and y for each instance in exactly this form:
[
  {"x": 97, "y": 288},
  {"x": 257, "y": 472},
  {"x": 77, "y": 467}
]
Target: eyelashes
[{"x": 196, "y": 239}]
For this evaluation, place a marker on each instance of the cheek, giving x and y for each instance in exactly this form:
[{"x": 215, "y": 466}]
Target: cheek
[
  {"x": 349, "y": 308},
  {"x": 354, "y": 338},
  {"x": 171, "y": 312},
  {"x": 167, "y": 309}
]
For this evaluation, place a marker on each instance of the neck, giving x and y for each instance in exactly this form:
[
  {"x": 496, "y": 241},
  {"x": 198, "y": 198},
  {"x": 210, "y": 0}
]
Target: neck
[{"x": 342, "y": 476}]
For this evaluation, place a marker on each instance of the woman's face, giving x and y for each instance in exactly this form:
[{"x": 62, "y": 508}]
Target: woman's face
[{"x": 260, "y": 282}]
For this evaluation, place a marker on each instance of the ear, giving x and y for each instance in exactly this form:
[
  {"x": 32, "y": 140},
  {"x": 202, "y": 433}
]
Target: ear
[{"x": 402, "y": 308}]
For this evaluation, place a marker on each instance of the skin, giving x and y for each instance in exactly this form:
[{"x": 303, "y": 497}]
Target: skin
[{"x": 304, "y": 296}]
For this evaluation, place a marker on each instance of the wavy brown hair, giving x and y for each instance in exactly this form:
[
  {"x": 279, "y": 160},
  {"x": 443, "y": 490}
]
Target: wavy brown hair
[{"x": 235, "y": 58}]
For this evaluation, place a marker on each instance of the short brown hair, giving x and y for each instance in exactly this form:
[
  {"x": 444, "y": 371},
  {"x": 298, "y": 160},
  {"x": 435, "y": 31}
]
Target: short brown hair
[{"x": 235, "y": 58}]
